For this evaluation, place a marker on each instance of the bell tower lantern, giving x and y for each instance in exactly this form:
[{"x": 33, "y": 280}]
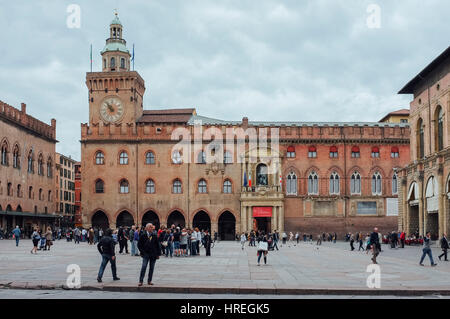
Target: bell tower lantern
[{"x": 115, "y": 55}]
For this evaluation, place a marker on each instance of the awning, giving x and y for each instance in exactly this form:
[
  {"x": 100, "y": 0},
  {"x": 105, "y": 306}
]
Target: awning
[
  {"x": 262, "y": 211},
  {"x": 28, "y": 214}
]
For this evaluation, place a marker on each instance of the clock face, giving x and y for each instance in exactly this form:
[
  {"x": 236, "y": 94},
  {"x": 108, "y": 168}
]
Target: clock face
[{"x": 111, "y": 109}]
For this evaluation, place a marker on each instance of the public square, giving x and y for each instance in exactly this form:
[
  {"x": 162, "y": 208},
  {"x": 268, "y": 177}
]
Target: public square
[{"x": 304, "y": 269}]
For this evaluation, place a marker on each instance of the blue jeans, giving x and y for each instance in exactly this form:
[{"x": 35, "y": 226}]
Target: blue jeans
[
  {"x": 427, "y": 251},
  {"x": 169, "y": 248},
  {"x": 105, "y": 259},
  {"x": 193, "y": 248},
  {"x": 133, "y": 248},
  {"x": 147, "y": 260},
  {"x": 17, "y": 240}
]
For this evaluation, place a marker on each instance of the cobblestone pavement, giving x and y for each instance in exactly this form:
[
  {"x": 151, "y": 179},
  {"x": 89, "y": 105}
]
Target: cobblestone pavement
[{"x": 304, "y": 266}]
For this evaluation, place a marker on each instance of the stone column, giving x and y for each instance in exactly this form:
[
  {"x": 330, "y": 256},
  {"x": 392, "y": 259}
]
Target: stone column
[
  {"x": 249, "y": 217},
  {"x": 404, "y": 205},
  {"x": 273, "y": 220},
  {"x": 214, "y": 228},
  {"x": 421, "y": 209},
  {"x": 441, "y": 199},
  {"x": 243, "y": 219},
  {"x": 281, "y": 218}
]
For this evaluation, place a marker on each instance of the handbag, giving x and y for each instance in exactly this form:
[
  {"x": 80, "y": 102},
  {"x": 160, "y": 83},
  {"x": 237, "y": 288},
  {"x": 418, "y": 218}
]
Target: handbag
[{"x": 164, "y": 243}]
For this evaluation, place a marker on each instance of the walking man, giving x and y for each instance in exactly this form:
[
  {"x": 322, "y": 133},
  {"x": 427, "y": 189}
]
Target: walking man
[
  {"x": 150, "y": 250},
  {"x": 427, "y": 250},
  {"x": 243, "y": 240},
  {"x": 375, "y": 243},
  {"x": 444, "y": 247},
  {"x": 106, "y": 247},
  {"x": 17, "y": 233}
]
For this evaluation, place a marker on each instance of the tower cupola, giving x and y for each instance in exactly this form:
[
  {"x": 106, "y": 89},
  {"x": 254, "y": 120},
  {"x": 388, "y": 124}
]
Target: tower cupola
[{"x": 115, "y": 55}]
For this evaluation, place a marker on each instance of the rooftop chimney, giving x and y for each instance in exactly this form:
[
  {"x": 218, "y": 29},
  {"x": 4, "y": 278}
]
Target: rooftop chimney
[{"x": 23, "y": 108}]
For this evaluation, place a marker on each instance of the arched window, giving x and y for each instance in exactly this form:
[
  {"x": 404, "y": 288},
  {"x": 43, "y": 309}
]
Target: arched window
[
  {"x": 291, "y": 184},
  {"x": 176, "y": 187},
  {"x": 124, "y": 187},
  {"x": 333, "y": 152},
  {"x": 99, "y": 158},
  {"x": 149, "y": 158},
  {"x": 376, "y": 184},
  {"x": 312, "y": 152},
  {"x": 113, "y": 63},
  {"x": 99, "y": 186},
  {"x": 420, "y": 139},
  {"x": 202, "y": 186},
  {"x": 290, "y": 152},
  {"x": 30, "y": 192},
  {"x": 30, "y": 162},
  {"x": 123, "y": 158},
  {"x": 394, "y": 184},
  {"x": 261, "y": 175},
  {"x": 334, "y": 184},
  {"x": 4, "y": 159},
  {"x": 49, "y": 196},
  {"x": 16, "y": 157},
  {"x": 19, "y": 191},
  {"x": 439, "y": 130},
  {"x": 176, "y": 157},
  {"x": 49, "y": 167},
  {"x": 313, "y": 183},
  {"x": 122, "y": 63},
  {"x": 395, "y": 153},
  {"x": 227, "y": 187},
  {"x": 201, "y": 157},
  {"x": 355, "y": 152},
  {"x": 40, "y": 194},
  {"x": 40, "y": 165},
  {"x": 375, "y": 152},
  {"x": 355, "y": 183},
  {"x": 9, "y": 189},
  {"x": 150, "y": 186},
  {"x": 227, "y": 157}
]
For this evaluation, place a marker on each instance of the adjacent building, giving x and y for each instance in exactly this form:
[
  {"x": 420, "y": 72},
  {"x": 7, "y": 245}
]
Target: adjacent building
[
  {"x": 425, "y": 189},
  {"x": 65, "y": 189},
  {"x": 27, "y": 166},
  {"x": 400, "y": 116},
  {"x": 174, "y": 166}
]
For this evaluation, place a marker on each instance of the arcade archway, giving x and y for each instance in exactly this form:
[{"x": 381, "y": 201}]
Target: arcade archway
[
  {"x": 202, "y": 221},
  {"x": 124, "y": 219},
  {"x": 227, "y": 226},
  {"x": 100, "y": 220},
  {"x": 150, "y": 217},
  {"x": 176, "y": 218}
]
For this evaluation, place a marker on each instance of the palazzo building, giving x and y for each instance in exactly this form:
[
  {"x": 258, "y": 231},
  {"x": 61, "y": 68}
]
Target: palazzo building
[
  {"x": 425, "y": 190},
  {"x": 27, "y": 163},
  {"x": 65, "y": 189},
  {"x": 142, "y": 166}
]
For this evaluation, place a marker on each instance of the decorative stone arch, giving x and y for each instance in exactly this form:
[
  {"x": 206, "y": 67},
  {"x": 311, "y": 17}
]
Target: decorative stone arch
[
  {"x": 226, "y": 226},
  {"x": 355, "y": 168},
  {"x": 203, "y": 223},
  {"x": 3, "y": 141},
  {"x": 336, "y": 169},
  {"x": 154, "y": 211},
  {"x": 311, "y": 169},
  {"x": 236, "y": 216},
  {"x": 148, "y": 150},
  {"x": 94, "y": 156},
  {"x": 126, "y": 151},
  {"x": 100, "y": 222},
  {"x": 171, "y": 211},
  {"x": 231, "y": 180},
  {"x": 123, "y": 209},
  {"x": 378, "y": 169}
]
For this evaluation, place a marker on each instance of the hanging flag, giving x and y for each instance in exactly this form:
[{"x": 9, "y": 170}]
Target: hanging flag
[
  {"x": 250, "y": 179},
  {"x": 245, "y": 179},
  {"x": 281, "y": 181},
  {"x": 91, "y": 57}
]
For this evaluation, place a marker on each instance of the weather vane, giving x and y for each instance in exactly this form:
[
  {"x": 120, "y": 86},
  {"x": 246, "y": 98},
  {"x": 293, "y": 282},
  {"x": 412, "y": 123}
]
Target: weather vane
[{"x": 115, "y": 12}]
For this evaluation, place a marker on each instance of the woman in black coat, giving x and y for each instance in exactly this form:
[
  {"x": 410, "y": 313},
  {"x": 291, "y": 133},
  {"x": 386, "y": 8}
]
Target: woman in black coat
[{"x": 207, "y": 244}]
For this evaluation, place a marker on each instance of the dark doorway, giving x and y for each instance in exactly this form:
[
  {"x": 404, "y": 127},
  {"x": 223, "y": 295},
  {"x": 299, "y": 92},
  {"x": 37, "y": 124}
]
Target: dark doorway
[
  {"x": 413, "y": 220},
  {"x": 202, "y": 221},
  {"x": 124, "y": 219},
  {"x": 227, "y": 226},
  {"x": 263, "y": 224},
  {"x": 150, "y": 217},
  {"x": 100, "y": 220},
  {"x": 176, "y": 218}
]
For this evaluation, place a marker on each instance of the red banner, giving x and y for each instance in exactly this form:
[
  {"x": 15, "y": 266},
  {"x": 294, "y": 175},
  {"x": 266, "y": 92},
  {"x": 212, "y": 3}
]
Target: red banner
[{"x": 262, "y": 211}]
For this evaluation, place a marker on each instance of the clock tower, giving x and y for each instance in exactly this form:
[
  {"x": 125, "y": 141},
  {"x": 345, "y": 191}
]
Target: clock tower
[{"x": 115, "y": 94}]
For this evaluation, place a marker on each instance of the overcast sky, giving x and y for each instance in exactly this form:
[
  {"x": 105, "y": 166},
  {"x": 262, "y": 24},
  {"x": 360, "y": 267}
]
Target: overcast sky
[{"x": 296, "y": 60}]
